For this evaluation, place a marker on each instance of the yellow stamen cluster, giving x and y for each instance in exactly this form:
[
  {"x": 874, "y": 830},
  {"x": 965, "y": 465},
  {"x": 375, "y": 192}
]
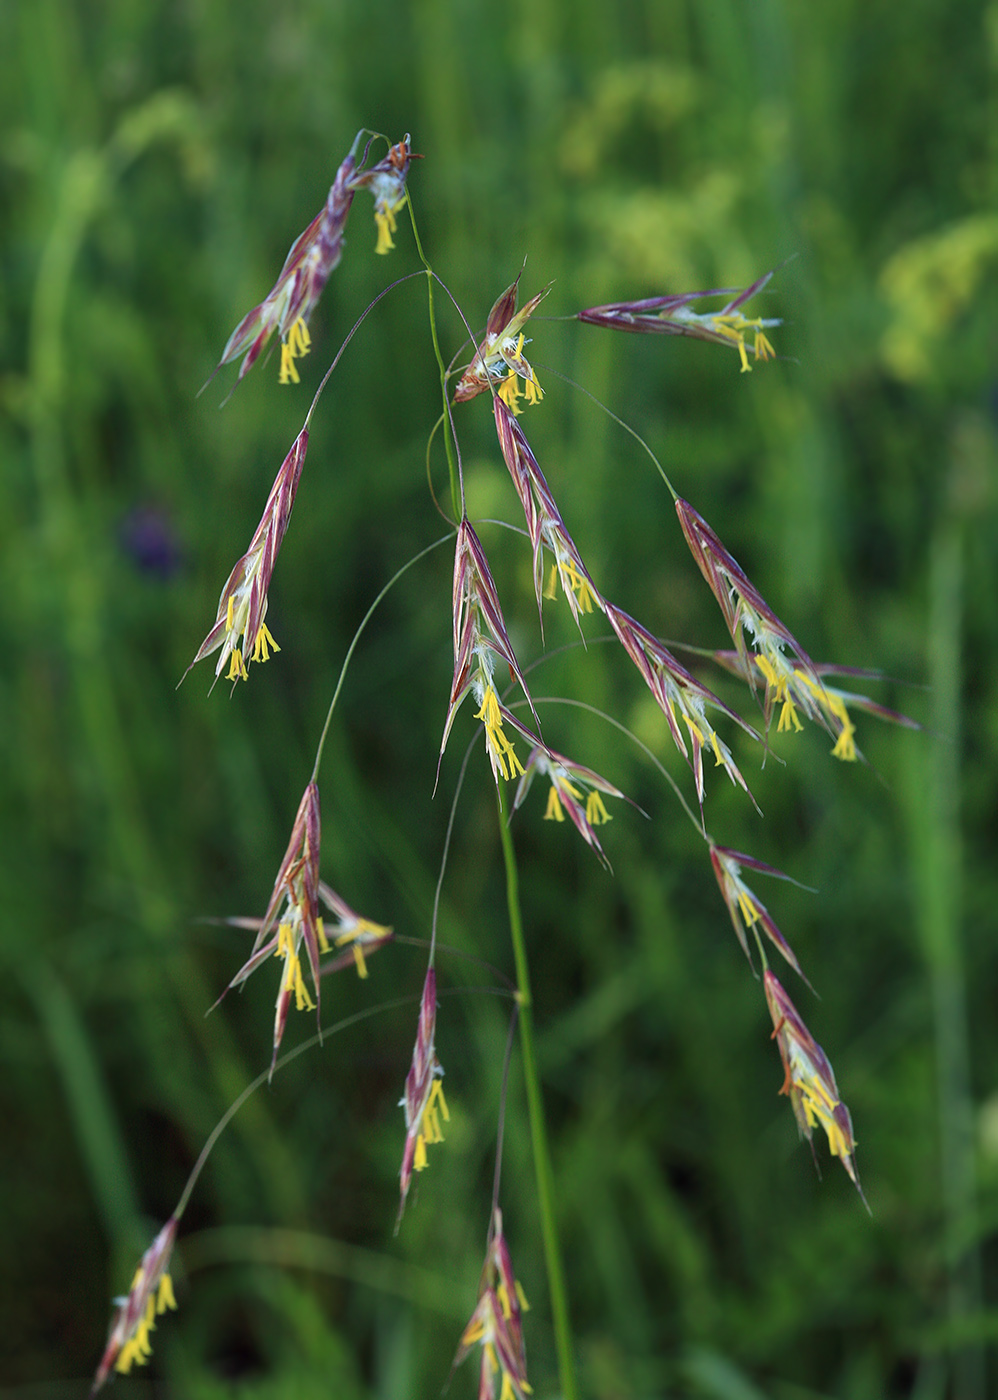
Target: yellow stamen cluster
[
  {"x": 355, "y": 936},
  {"x": 554, "y": 811},
  {"x": 777, "y": 683},
  {"x": 430, "y": 1130},
  {"x": 501, "y": 751},
  {"x": 747, "y": 905},
  {"x": 137, "y": 1350},
  {"x": 510, "y": 391},
  {"x": 710, "y": 739},
  {"x": 819, "y": 1108},
  {"x": 295, "y": 346},
  {"x": 292, "y": 979},
  {"x": 263, "y": 644},
  {"x": 385, "y": 220},
  {"x": 570, "y": 577},
  {"x": 503, "y": 1297},
  {"x": 734, "y": 327},
  {"x": 845, "y": 744},
  {"x": 596, "y": 813}
]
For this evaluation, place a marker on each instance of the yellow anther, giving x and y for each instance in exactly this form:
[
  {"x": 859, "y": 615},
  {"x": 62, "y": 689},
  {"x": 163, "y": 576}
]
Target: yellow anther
[
  {"x": 748, "y": 908},
  {"x": 288, "y": 374},
  {"x": 509, "y": 392},
  {"x": 788, "y": 718},
  {"x": 264, "y": 644},
  {"x": 385, "y": 220},
  {"x": 237, "y": 670}
]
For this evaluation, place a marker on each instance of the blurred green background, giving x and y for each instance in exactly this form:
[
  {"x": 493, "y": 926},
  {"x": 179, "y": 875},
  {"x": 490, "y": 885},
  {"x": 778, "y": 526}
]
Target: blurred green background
[{"x": 156, "y": 162}]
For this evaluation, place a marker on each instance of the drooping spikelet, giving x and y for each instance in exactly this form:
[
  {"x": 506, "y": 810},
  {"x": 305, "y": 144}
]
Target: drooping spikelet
[
  {"x": 545, "y": 525},
  {"x": 745, "y": 907},
  {"x": 809, "y": 1080},
  {"x": 240, "y": 628},
  {"x": 792, "y": 682},
  {"x": 496, "y": 1325},
  {"x": 680, "y": 696},
  {"x": 673, "y": 315},
  {"x": 501, "y": 354},
  {"x": 290, "y": 302},
  {"x": 313, "y": 256},
  {"x": 292, "y": 920},
  {"x": 150, "y": 1295},
  {"x": 423, "y": 1100},
  {"x": 480, "y": 637},
  {"x": 575, "y": 792}
]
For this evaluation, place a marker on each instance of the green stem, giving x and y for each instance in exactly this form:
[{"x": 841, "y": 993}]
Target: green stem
[
  {"x": 452, "y": 471},
  {"x": 941, "y": 916},
  {"x": 538, "y": 1127}
]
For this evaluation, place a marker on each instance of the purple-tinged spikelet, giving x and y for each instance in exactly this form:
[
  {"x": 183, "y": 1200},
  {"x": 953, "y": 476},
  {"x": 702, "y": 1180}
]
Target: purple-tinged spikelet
[
  {"x": 240, "y": 628},
  {"x": 292, "y": 919},
  {"x": 544, "y": 523},
  {"x": 480, "y": 637},
  {"x": 313, "y": 256},
  {"x": 496, "y": 1325},
  {"x": 501, "y": 353},
  {"x": 423, "y": 1100},
  {"x": 745, "y": 908},
  {"x": 575, "y": 791},
  {"x": 672, "y": 315},
  {"x": 680, "y": 696},
  {"x": 809, "y": 1080},
  {"x": 150, "y": 1295},
  {"x": 792, "y": 681},
  {"x": 290, "y": 302}
]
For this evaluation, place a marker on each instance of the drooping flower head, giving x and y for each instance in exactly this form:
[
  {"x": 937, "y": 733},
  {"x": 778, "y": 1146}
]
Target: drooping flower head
[
  {"x": 575, "y": 791},
  {"x": 792, "y": 682},
  {"x": 673, "y": 315},
  {"x": 746, "y": 909},
  {"x": 292, "y": 920},
  {"x": 386, "y": 182},
  {"x": 315, "y": 254},
  {"x": 809, "y": 1080},
  {"x": 545, "y": 525},
  {"x": 480, "y": 637},
  {"x": 150, "y": 1295},
  {"x": 680, "y": 696},
  {"x": 290, "y": 302},
  {"x": 423, "y": 1100},
  {"x": 500, "y": 353},
  {"x": 496, "y": 1325},
  {"x": 240, "y": 628}
]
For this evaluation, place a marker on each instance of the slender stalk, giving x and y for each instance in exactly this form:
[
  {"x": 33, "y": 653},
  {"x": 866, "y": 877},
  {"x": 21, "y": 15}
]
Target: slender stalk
[
  {"x": 356, "y": 638},
  {"x": 535, "y": 1113},
  {"x": 449, "y": 445},
  {"x": 264, "y": 1077}
]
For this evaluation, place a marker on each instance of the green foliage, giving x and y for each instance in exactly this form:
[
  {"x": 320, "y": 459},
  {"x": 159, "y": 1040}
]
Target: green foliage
[{"x": 155, "y": 164}]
